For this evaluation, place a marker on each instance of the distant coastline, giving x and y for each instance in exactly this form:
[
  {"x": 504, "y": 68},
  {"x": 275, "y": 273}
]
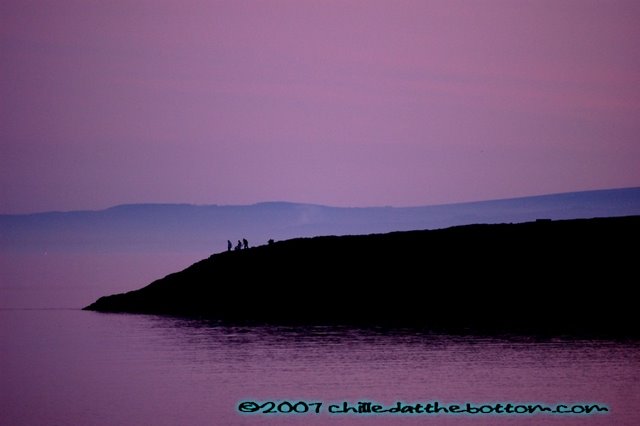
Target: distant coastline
[
  {"x": 203, "y": 229},
  {"x": 526, "y": 278}
]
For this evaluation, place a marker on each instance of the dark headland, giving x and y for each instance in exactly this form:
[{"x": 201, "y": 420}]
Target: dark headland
[{"x": 551, "y": 278}]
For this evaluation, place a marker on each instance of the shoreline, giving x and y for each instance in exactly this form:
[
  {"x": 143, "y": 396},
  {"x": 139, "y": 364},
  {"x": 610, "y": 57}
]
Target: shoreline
[{"x": 473, "y": 278}]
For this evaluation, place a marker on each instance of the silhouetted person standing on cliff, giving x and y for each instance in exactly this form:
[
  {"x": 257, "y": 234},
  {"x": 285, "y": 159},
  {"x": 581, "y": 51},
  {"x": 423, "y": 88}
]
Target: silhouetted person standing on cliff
[
  {"x": 239, "y": 246},
  {"x": 245, "y": 243},
  {"x": 229, "y": 245}
]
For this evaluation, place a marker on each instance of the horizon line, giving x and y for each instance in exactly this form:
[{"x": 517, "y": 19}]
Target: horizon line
[{"x": 176, "y": 204}]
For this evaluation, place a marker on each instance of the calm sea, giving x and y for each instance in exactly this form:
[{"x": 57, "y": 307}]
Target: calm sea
[{"x": 71, "y": 367}]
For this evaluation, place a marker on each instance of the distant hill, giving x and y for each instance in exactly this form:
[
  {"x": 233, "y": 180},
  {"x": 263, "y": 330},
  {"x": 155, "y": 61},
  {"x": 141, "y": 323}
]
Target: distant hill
[
  {"x": 529, "y": 278},
  {"x": 205, "y": 229}
]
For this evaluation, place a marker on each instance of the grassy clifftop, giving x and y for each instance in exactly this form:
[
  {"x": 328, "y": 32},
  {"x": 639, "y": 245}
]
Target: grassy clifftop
[{"x": 573, "y": 277}]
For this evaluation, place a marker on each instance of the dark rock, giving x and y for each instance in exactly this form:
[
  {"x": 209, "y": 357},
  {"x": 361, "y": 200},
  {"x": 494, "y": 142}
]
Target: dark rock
[{"x": 572, "y": 277}]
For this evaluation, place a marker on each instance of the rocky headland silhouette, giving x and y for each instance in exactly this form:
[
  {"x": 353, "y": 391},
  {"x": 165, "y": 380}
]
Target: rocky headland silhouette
[{"x": 552, "y": 278}]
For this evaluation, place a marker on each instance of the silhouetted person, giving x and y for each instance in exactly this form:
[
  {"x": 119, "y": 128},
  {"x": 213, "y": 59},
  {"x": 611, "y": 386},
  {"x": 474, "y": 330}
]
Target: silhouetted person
[
  {"x": 271, "y": 241},
  {"x": 229, "y": 245},
  {"x": 245, "y": 243},
  {"x": 239, "y": 246}
]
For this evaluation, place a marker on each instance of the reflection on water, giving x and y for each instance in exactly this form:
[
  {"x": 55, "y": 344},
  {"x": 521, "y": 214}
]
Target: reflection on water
[{"x": 74, "y": 367}]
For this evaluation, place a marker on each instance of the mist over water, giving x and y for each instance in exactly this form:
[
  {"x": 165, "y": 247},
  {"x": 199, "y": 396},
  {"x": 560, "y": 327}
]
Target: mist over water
[{"x": 54, "y": 280}]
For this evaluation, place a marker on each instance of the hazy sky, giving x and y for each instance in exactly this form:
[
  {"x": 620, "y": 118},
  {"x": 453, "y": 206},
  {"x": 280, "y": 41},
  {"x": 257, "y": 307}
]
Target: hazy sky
[{"x": 348, "y": 103}]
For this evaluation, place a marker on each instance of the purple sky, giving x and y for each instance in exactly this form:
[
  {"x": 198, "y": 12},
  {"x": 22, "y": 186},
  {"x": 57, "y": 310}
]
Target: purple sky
[{"x": 348, "y": 103}]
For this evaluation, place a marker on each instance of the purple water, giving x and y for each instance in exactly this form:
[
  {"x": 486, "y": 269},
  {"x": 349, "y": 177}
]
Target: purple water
[
  {"x": 63, "y": 367},
  {"x": 48, "y": 280},
  {"x": 71, "y": 367}
]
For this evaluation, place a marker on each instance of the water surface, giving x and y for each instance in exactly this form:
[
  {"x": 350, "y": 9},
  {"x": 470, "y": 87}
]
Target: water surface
[{"x": 62, "y": 367}]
